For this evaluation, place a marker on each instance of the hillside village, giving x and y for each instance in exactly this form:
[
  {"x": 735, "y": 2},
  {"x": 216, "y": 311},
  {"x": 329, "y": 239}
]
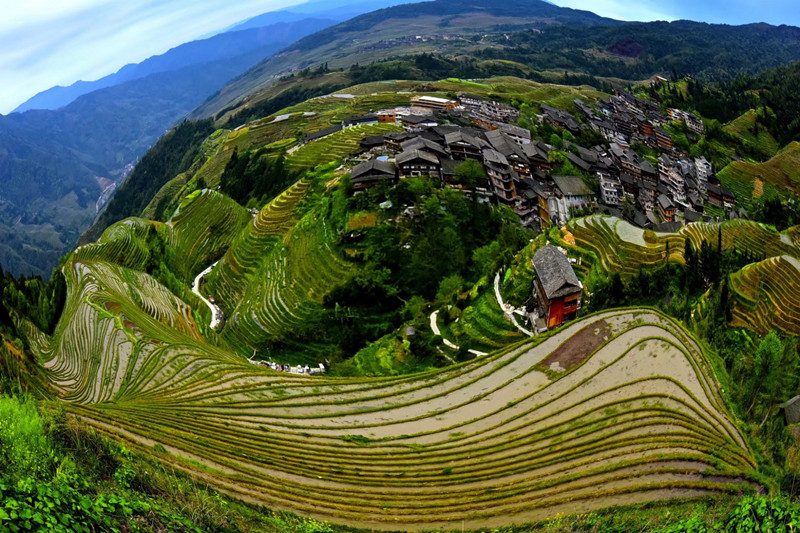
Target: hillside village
[{"x": 621, "y": 177}]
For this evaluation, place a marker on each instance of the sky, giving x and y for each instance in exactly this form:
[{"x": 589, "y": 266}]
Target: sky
[
  {"x": 775, "y": 12},
  {"x": 46, "y": 43}
]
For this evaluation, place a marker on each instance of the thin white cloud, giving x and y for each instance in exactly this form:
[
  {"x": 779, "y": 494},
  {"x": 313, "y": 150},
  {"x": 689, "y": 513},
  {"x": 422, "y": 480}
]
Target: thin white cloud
[{"x": 46, "y": 43}]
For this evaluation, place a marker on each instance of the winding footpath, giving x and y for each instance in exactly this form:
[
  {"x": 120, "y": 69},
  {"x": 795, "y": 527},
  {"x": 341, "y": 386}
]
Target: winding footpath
[
  {"x": 508, "y": 309},
  {"x": 216, "y": 313},
  {"x": 448, "y": 343}
]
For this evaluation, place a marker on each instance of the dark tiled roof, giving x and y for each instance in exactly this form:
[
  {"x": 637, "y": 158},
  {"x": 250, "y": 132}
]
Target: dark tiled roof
[
  {"x": 555, "y": 273},
  {"x": 536, "y": 150},
  {"x": 665, "y": 202},
  {"x": 578, "y": 162},
  {"x": 405, "y": 157},
  {"x": 640, "y": 219},
  {"x": 450, "y": 166},
  {"x": 494, "y": 157},
  {"x": 421, "y": 143},
  {"x": 373, "y": 167},
  {"x": 461, "y": 137},
  {"x": 504, "y": 144},
  {"x": 375, "y": 140},
  {"x": 668, "y": 227},
  {"x": 417, "y": 119},
  {"x": 572, "y": 186},
  {"x": 371, "y": 117},
  {"x": 323, "y": 133},
  {"x": 692, "y": 216}
]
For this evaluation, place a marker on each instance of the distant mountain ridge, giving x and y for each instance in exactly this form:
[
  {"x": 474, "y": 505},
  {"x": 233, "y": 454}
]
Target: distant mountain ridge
[
  {"x": 501, "y": 31},
  {"x": 226, "y": 45},
  {"x": 57, "y": 166},
  {"x": 229, "y": 42},
  {"x": 373, "y": 36},
  {"x": 52, "y": 161}
]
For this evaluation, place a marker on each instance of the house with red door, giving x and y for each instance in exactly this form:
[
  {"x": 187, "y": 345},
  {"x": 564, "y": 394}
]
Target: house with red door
[{"x": 559, "y": 292}]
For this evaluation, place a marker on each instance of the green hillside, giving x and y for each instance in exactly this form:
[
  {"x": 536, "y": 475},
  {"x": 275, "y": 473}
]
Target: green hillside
[
  {"x": 438, "y": 409},
  {"x": 780, "y": 175},
  {"x": 766, "y": 296},
  {"x": 747, "y": 128},
  {"x": 473, "y": 32}
]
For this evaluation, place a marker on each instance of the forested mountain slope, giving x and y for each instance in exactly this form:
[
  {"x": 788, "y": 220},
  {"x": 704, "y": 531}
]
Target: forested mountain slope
[
  {"x": 87, "y": 147},
  {"x": 501, "y": 31}
]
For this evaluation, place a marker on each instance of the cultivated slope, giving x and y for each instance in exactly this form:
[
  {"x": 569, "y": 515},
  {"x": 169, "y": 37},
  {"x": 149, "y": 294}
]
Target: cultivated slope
[
  {"x": 750, "y": 181},
  {"x": 615, "y": 246},
  {"x": 637, "y": 418},
  {"x": 765, "y": 296}
]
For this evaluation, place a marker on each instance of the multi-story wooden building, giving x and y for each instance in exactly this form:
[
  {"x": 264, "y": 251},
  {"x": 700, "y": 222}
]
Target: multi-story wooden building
[{"x": 558, "y": 290}]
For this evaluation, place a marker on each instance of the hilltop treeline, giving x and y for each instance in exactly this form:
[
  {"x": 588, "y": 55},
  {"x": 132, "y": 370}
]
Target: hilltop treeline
[
  {"x": 639, "y": 50},
  {"x": 31, "y": 298},
  {"x": 255, "y": 176}
]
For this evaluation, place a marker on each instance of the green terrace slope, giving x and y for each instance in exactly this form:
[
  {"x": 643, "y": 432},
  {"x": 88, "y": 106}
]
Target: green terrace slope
[
  {"x": 336, "y": 146},
  {"x": 203, "y": 227},
  {"x": 124, "y": 243},
  {"x": 765, "y": 296},
  {"x": 762, "y": 293},
  {"x": 615, "y": 246},
  {"x": 746, "y": 127},
  {"x": 492, "y": 442},
  {"x": 780, "y": 175}
]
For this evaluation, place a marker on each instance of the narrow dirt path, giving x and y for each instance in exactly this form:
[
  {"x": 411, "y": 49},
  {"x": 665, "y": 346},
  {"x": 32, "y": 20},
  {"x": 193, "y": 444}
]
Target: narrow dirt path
[
  {"x": 448, "y": 343},
  {"x": 508, "y": 309},
  {"x": 216, "y": 313}
]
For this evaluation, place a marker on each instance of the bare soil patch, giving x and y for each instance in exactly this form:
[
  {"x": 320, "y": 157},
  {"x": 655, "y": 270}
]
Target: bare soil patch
[{"x": 575, "y": 350}]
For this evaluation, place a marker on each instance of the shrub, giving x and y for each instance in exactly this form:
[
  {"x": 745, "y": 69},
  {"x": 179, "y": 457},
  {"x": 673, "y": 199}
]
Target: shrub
[{"x": 24, "y": 448}]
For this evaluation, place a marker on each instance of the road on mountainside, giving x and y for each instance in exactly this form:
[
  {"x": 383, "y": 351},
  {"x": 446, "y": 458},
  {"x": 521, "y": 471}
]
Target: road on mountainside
[{"x": 216, "y": 313}]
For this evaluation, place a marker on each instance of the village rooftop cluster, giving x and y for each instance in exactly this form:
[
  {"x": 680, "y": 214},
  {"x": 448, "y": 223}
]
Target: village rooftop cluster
[{"x": 440, "y": 134}]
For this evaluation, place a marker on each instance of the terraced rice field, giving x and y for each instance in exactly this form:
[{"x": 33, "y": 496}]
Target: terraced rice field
[
  {"x": 612, "y": 245},
  {"x": 745, "y": 127},
  {"x": 765, "y": 296},
  {"x": 203, "y": 228},
  {"x": 335, "y": 146},
  {"x": 489, "y": 443},
  {"x": 779, "y": 175},
  {"x": 120, "y": 321},
  {"x": 247, "y": 252},
  {"x": 745, "y": 236},
  {"x": 288, "y": 292},
  {"x": 122, "y": 243},
  {"x": 484, "y": 325}
]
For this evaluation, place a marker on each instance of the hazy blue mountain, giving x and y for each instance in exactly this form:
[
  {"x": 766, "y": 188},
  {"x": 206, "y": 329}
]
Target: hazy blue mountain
[
  {"x": 227, "y": 45},
  {"x": 54, "y": 164}
]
